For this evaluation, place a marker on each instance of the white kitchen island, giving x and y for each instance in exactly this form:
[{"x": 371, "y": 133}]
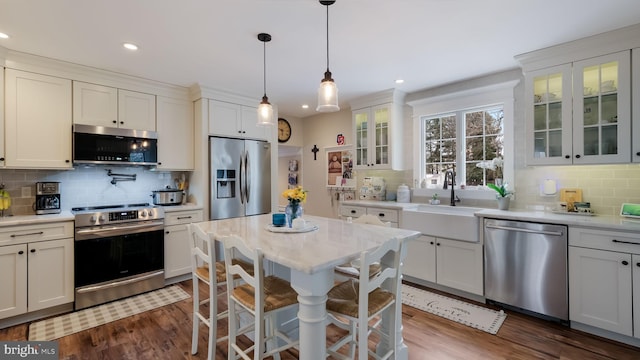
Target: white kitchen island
[{"x": 312, "y": 256}]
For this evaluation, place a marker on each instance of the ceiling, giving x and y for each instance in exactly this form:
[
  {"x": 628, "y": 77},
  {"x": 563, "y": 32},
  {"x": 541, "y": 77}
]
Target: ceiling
[{"x": 371, "y": 42}]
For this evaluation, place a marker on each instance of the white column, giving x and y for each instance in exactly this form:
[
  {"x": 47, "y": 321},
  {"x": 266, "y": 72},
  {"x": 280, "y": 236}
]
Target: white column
[{"x": 312, "y": 314}]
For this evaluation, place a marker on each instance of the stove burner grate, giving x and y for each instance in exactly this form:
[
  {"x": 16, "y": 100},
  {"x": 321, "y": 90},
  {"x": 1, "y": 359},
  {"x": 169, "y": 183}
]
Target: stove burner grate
[{"x": 103, "y": 207}]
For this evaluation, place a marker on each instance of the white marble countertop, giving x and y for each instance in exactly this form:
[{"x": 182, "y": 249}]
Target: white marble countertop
[
  {"x": 35, "y": 219},
  {"x": 185, "y": 207},
  {"x": 380, "y": 204},
  {"x": 596, "y": 221},
  {"x": 334, "y": 243}
]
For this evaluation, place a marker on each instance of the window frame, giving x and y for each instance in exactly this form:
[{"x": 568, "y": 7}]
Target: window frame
[{"x": 459, "y": 102}]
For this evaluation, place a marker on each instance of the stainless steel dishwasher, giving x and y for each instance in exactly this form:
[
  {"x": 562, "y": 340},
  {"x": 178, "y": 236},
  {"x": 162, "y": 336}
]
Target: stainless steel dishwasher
[{"x": 526, "y": 267}]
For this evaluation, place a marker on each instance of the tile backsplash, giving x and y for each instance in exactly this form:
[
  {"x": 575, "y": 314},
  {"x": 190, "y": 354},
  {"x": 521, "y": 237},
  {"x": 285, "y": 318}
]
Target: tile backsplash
[
  {"x": 84, "y": 186},
  {"x": 606, "y": 187}
]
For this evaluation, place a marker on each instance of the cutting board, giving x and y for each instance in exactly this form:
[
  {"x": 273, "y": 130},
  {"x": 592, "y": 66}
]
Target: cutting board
[{"x": 570, "y": 195}]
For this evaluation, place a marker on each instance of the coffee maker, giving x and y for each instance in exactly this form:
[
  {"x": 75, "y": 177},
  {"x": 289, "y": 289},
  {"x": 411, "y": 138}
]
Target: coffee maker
[{"x": 47, "y": 198}]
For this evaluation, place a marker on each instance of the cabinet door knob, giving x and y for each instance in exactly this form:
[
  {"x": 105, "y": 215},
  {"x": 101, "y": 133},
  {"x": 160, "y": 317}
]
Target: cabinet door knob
[
  {"x": 567, "y": 156},
  {"x": 353, "y": 211},
  {"x": 115, "y": 122},
  {"x": 67, "y": 161},
  {"x": 33, "y": 250},
  {"x": 437, "y": 244},
  {"x": 166, "y": 232},
  {"x": 638, "y": 154},
  {"x": 431, "y": 242},
  {"x": 638, "y": 264},
  {"x": 121, "y": 122},
  {"x": 381, "y": 215},
  {"x": 1, "y": 159},
  {"x": 22, "y": 252},
  {"x": 625, "y": 262},
  {"x": 578, "y": 156}
]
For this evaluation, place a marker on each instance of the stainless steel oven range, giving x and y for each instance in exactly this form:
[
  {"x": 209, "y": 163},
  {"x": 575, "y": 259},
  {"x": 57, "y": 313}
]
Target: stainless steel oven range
[{"x": 119, "y": 252}]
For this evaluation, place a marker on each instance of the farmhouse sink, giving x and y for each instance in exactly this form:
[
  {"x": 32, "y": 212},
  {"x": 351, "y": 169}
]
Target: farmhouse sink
[{"x": 451, "y": 222}]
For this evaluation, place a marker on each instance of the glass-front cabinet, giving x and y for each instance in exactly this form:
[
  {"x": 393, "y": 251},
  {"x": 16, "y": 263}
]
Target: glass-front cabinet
[
  {"x": 635, "y": 127},
  {"x": 602, "y": 109},
  {"x": 549, "y": 135},
  {"x": 580, "y": 113},
  {"x": 372, "y": 136}
]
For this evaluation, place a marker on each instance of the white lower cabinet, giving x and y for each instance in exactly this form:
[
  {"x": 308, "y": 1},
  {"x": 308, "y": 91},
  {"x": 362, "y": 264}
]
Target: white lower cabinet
[
  {"x": 36, "y": 273},
  {"x": 604, "y": 280},
  {"x": 452, "y": 263},
  {"x": 384, "y": 214},
  {"x": 177, "y": 251}
]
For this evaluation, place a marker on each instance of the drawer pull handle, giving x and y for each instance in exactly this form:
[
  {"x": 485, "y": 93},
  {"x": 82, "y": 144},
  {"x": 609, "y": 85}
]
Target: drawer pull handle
[
  {"x": 35, "y": 233},
  {"x": 353, "y": 211},
  {"x": 184, "y": 217},
  {"x": 625, "y": 242},
  {"x": 381, "y": 215},
  {"x": 625, "y": 262}
]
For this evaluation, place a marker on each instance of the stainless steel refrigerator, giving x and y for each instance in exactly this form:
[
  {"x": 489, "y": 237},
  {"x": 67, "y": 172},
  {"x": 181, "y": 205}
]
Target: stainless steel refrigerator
[{"x": 240, "y": 177}]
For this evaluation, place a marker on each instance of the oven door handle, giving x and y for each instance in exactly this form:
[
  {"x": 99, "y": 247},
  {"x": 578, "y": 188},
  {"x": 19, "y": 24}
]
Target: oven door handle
[
  {"x": 85, "y": 234},
  {"x": 118, "y": 283}
]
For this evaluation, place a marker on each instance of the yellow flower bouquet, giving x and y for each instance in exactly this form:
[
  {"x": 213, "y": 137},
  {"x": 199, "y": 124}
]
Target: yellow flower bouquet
[
  {"x": 296, "y": 195},
  {"x": 294, "y": 209}
]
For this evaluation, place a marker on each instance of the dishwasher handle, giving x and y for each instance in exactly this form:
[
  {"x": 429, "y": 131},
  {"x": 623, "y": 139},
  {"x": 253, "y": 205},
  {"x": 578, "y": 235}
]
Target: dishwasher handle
[{"x": 509, "y": 228}]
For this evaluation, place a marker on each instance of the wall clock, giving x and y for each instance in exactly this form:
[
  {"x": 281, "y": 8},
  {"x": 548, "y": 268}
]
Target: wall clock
[{"x": 284, "y": 130}]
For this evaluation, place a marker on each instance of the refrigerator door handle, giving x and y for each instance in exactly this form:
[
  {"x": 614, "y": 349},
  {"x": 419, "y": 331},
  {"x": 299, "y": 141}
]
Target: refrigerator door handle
[
  {"x": 242, "y": 179},
  {"x": 247, "y": 174}
]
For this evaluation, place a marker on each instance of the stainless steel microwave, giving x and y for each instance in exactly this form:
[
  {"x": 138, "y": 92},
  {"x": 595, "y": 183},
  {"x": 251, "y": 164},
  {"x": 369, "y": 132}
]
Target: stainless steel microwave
[{"x": 114, "y": 146}]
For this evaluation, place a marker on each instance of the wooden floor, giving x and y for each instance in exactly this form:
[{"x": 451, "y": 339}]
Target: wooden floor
[{"x": 165, "y": 333}]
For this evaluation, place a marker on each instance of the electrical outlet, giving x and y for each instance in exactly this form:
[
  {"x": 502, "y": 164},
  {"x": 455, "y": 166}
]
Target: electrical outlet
[{"x": 26, "y": 191}]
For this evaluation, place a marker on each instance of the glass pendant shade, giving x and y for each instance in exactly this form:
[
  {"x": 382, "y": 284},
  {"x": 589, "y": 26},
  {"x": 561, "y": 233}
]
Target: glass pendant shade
[
  {"x": 328, "y": 91},
  {"x": 265, "y": 112},
  {"x": 327, "y": 96}
]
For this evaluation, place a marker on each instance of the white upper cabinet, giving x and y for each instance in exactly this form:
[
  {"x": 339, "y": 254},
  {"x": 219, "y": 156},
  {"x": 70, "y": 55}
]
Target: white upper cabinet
[
  {"x": 1, "y": 116},
  {"x": 175, "y": 134},
  {"x": 38, "y": 121},
  {"x": 235, "y": 120},
  {"x": 635, "y": 127},
  {"x": 110, "y": 107},
  {"x": 136, "y": 110},
  {"x": 378, "y": 131},
  {"x": 602, "y": 109},
  {"x": 95, "y": 105},
  {"x": 580, "y": 113}
]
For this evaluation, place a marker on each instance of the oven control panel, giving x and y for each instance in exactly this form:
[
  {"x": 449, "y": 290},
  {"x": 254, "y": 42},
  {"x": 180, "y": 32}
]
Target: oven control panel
[
  {"x": 123, "y": 215},
  {"x": 115, "y": 216}
]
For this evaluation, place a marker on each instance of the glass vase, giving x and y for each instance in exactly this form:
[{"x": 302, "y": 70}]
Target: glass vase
[{"x": 292, "y": 211}]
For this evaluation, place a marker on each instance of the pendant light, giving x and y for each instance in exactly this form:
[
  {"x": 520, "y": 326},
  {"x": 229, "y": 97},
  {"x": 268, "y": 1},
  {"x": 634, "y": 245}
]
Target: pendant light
[
  {"x": 328, "y": 91},
  {"x": 265, "y": 110}
]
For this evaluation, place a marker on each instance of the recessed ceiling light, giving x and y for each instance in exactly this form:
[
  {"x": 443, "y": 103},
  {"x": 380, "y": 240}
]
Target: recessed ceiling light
[
  {"x": 3, "y": 35},
  {"x": 399, "y": 81},
  {"x": 130, "y": 46},
  {"x": 305, "y": 106}
]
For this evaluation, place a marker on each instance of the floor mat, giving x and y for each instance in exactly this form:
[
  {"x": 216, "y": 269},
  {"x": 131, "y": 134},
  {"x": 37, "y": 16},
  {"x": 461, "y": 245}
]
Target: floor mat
[
  {"x": 459, "y": 311},
  {"x": 76, "y": 321}
]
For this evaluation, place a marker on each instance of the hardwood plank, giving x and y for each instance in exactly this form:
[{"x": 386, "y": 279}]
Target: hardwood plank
[{"x": 165, "y": 333}]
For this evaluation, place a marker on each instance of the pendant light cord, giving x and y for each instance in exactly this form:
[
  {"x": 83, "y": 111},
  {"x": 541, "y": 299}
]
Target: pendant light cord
[
  {"x": 327, "y": 37},
  {"x": 264, "y": 66}
]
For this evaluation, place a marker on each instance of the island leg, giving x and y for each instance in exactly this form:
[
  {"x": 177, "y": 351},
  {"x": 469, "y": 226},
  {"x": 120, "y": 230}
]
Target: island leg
[{"x": 312, "y": 314}]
